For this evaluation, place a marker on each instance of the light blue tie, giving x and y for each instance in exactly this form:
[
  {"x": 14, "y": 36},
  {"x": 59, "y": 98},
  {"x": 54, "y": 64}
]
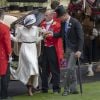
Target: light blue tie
[
  {"x": 66, "y": 30},
  {"x": 66, "y": 27}
]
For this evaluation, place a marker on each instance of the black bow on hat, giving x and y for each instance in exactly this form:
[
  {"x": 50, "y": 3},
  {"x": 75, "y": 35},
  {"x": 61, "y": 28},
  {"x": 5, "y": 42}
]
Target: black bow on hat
[{"x": 60, "y": 10}]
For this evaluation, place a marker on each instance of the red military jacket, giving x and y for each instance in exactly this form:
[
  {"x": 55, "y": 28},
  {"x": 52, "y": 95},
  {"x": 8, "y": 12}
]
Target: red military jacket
[
  {"x": 55, "y": 18},
  {"x": 5, "y": 48},
  {"x": 57, "y": 42}
]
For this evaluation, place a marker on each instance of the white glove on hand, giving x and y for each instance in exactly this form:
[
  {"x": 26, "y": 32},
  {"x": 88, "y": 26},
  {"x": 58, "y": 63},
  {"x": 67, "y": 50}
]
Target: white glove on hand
[
  {"x": 50, "y": 33},
  {"x": 11, "y": 36},
  {"x": 95, "y": 32},
  {"x": 77, "y": 54},
  {"x": 10, "y": 59},
  {"x": 43, "y": 30}
]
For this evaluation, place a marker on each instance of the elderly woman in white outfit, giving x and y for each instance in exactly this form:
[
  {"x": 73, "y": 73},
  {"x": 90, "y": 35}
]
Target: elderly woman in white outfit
[{"x": 27, "y": 71}]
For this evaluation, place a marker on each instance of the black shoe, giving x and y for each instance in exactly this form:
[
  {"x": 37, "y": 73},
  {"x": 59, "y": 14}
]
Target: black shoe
[
  {"x": 44, "y": 91},
  {"x": 56, "y": 91},
  {"x": 74, "y": 92},
  {"x": 3, "y": 98},
  {"x": 59, "y": 90},
  {"x": 6, "y": 98},
  {"x": 36, "y": 90}
]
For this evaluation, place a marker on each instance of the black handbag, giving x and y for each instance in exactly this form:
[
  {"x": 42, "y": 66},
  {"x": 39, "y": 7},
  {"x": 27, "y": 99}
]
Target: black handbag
[{"x": 40, "y": 58}]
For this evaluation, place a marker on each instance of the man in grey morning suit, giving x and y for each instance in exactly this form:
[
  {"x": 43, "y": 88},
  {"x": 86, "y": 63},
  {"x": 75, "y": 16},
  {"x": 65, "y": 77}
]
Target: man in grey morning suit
[{"x": 73, "y": 39}]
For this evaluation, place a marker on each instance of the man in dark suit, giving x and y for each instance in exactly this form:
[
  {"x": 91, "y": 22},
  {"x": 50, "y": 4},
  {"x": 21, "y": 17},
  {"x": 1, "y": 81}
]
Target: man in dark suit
[{"x": 73, "y": 39}]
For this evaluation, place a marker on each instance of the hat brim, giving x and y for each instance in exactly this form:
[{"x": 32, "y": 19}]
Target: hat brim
[
  {"x": 31, "y": 22},
  {"x": 30, "y": 19}
]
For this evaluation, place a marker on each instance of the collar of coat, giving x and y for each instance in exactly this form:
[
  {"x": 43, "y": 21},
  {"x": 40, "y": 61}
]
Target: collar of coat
[{"x": 53, "y": 23}]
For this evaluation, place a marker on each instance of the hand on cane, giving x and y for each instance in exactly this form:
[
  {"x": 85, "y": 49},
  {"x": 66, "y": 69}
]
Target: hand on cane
[{"x": 78, "y": 54}]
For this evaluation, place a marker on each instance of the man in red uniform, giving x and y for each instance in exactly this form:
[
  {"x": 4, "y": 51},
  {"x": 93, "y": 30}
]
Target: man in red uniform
[
  {"x": 5, "y": 53},
  {"x": 51, "y": 53},
  {"x": 54, "y": 5}
]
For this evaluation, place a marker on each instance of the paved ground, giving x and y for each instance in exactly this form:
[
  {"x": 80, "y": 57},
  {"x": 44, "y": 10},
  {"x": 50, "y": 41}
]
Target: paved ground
[{"x": 17, "y": 88}]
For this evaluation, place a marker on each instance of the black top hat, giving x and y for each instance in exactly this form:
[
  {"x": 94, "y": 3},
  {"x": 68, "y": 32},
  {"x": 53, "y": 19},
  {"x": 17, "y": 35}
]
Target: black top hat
[{"x": 60, "y": 10}]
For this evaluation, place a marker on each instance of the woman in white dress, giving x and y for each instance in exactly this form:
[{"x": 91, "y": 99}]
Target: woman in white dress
[{"x": 27, "y": 71}]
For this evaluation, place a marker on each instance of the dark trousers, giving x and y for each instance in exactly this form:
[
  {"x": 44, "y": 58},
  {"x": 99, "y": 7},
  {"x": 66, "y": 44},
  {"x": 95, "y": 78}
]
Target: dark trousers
[
  {"x": 50, "y": 64},
  {"x": 4, "y": 84},
  {"x": 90, "y": 51}
]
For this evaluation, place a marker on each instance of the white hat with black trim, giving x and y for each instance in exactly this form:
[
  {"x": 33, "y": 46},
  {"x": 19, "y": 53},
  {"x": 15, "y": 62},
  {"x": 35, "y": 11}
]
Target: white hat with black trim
[{"x": 30, "y": 19}]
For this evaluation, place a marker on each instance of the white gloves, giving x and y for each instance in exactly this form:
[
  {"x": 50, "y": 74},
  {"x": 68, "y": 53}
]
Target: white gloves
[
  {"x": 10, "y": 59},
  {"x": 95, "y": 32},
  {"x": 11, "y": 36},
  {"x": 43, "y": 30}
]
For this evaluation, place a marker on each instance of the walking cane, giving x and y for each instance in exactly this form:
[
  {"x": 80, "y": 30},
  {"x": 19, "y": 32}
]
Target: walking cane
[{"x": 79, "y": 76}]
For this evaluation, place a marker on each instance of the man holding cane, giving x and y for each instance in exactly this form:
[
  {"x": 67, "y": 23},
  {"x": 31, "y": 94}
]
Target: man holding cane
[{"x": 73, "y": 39}]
